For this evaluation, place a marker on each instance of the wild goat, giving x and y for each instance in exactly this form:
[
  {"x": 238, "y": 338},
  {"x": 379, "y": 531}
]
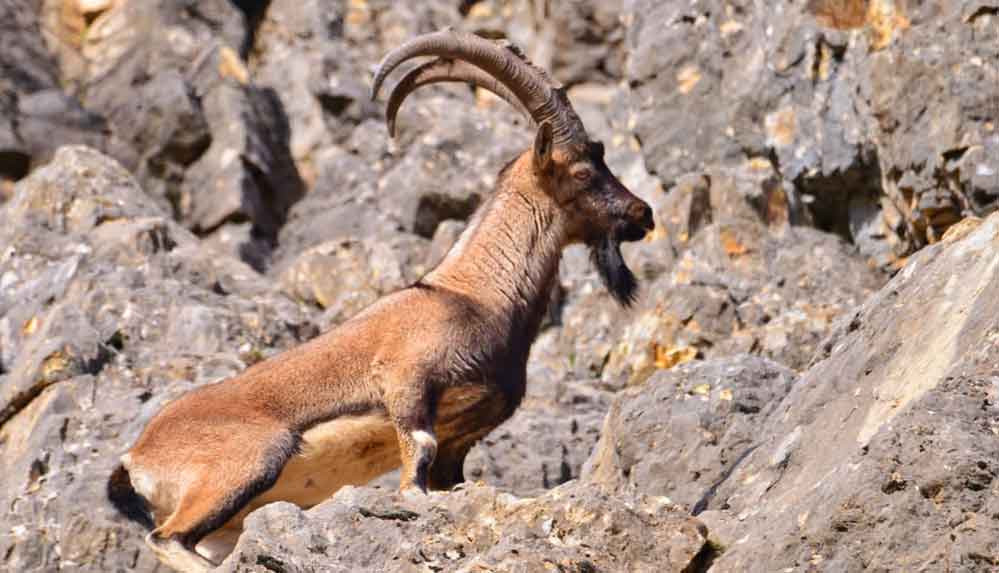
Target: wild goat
[{"x": 419, "y": 376}]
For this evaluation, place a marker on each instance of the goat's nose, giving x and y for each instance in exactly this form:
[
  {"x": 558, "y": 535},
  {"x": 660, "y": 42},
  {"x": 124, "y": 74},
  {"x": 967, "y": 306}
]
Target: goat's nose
[{"x": 643, "y": 213}]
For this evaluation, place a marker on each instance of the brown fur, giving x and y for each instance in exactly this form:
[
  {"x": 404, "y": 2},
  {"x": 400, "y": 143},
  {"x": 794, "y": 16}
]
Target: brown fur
[{"x": 414, "y": 380}]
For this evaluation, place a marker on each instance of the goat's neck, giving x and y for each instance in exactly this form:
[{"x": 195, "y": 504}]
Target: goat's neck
[{"x": 507, "y": 259}]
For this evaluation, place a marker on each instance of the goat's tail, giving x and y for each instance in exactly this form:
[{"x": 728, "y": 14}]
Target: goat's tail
[{"x": 126, "y": 500}]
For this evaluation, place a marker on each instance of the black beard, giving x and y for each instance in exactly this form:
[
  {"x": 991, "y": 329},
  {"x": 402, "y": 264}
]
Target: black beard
[{"x": 615, "y": 274}]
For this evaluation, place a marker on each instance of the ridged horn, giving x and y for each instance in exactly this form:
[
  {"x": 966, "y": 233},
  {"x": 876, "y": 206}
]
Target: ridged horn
[
  {"x": 506, "y": 64},
  {"x": 446, "y": 70}
]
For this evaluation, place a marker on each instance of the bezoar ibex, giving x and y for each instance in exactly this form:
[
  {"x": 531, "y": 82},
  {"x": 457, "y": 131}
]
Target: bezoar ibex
[{"x": 419, "y": 376}]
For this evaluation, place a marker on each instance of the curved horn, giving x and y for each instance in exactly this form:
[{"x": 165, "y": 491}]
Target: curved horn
[
  {"x": 446, "y": 70},
  {"x": 506, "y": 64}
]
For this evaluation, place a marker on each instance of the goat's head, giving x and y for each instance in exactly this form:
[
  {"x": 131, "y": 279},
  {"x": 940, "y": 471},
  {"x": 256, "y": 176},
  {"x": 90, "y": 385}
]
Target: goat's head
[{"x": 567, "y": 164}]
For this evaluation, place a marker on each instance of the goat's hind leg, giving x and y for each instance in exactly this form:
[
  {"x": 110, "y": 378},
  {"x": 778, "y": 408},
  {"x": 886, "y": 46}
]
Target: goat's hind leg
[
  {"x": 172, "y": 553},
  {"x": 216, "y": 496},
  {"x": 204, "y": 507}
]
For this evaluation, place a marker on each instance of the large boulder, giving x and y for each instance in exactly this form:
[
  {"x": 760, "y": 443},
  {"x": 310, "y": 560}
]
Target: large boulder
[
  {"x": 882, "y": 455},
  {"x": 882, "y": 146},
  {"x": 108, "y": 309},
  {"x": 682, "y": 432},
  {"x": 35, "y": 114},
  {"x": 472, "y": 528},
  {"x": 724, "y": 273},
  {"x": 171, "y": 80}
]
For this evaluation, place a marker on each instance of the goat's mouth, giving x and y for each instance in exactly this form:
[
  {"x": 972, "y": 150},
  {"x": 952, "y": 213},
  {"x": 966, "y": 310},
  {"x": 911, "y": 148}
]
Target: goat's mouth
[
  {"x": 635, "y": 227},
  {"x": 632, "y": 231}
]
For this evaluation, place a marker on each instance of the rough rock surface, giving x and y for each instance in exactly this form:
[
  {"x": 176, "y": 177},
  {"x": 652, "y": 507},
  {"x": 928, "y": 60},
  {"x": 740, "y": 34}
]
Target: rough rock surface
[
  {"x": 472, "y": 528},
  {"x": 890, "y": 436},
  {"x": 546, "y": 441},
  {"x": 342, "y": 277},
  {"x": 169, "y": 78},
  {"x": 35, "y": 115},
  {"x": 108, "y": 309},
  {"x": 789, "y": 150},
  {"x": 836, "y": 94},
  {"x": 708, "y": 414},
  {"x": 725, "y": 274},
  {"x": 882, "y": 456}
]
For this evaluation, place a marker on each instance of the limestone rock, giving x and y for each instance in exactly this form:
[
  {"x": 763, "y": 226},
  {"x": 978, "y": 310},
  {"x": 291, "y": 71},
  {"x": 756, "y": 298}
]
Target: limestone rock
[
  {"x": 890, "y": 435},
  {"x": 473, "y": 527},
  {"x": 880, "y": 455},
  {"x": 108, "y": 309},
  {"x": 682, "y": 432},
  {"x": 829, "y": 91}
]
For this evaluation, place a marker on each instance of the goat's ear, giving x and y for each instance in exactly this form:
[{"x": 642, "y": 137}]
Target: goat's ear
[{"x": 543, "y": 147}]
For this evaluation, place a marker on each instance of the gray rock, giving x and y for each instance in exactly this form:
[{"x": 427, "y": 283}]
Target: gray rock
[
  {"x": 465, "y": 148},
  {"x": 575, "y": 40},
  {"x": 682, "y": 432},
  {"x": 474, "y": 527},
  {"x": 108, "y": 309},
  {"x": 291, "y": 45},
  {"x": 724, "y": 274},
  {"x": 344, "y": 276},
  {"x": 939, "y": 146},
  {"x": 170, "y": 79},
  {"x": 371, "y": 186},
  {"x": 35, "y": 115},
  {"x": 248, "y": 163},
  {"x": 882, "y": 456},
  {"x": 832, "y": 94},
  {"x": 546, "y": 441}
]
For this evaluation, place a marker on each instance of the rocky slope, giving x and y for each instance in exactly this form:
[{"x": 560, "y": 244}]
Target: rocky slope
[
  {"x": 881, "y": 456},
  {"x": 771, "y": 402}
]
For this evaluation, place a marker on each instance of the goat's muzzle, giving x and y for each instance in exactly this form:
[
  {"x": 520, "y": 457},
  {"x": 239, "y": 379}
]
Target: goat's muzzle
[{"x": 639, "y": 222}]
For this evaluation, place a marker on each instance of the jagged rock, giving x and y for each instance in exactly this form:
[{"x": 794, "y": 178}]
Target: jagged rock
[
  {"x": 344, "y": 276},
  {"x": 35, "y": 115},
  {"x": 576, "y": 40},
  {"x": 474, "y": 527},
  {"x": 170, "y": 79},
  {"x": 465, "y": 148},
  {"x": 340, "y": 204},
  {"x": 683, "y": 431},
  {"x": 108, "y": 309},
  {"x": 936, "y": 116},
  {"x": 883, "y": 455},
  {"x": 247, "y": 172},
  {"x": 546, "y": 441},
  {"x": 728, "y": 276},
  {"x": 739, "y": 290},
  {"x": 825, "y": 89},
  {"x": 291, "y": 45},
  {"x": 370, "y": 185}
]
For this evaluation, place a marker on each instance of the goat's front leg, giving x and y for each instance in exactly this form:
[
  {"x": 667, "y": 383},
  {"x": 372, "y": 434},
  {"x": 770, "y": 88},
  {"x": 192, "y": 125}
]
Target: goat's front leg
[{"x": 412, "y": 414}]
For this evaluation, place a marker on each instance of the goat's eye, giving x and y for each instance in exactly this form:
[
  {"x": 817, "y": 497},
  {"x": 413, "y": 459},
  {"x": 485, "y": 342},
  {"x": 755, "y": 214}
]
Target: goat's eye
[{"x": 583, "y": 175}]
